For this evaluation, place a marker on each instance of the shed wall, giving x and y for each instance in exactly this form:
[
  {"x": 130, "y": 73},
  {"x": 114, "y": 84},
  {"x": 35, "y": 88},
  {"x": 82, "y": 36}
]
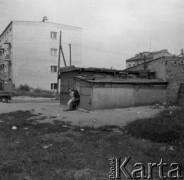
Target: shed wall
[
  {"x": 127, "y": 96},
  {"x": 104, "y": 98},
  {"x": 149, "y": 94}
]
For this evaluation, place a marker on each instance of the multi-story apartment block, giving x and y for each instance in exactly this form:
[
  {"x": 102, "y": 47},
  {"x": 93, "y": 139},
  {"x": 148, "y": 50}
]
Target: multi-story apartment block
[
  {"x": 29, "y": 52},
  {"x": 146, "y": 56}
]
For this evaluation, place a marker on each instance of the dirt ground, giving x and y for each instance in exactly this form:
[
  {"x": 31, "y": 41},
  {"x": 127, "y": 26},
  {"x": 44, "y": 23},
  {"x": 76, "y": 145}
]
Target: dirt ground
[
  {"x": 50, "y": 110},
  {"x": 40, "y": 141}
]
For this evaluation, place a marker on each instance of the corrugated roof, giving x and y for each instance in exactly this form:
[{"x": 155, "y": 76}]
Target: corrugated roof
[
  {"x": 117, "y": 80},
  {"x": 149, "y": 56},
  {"x": 90, "y": 69}
]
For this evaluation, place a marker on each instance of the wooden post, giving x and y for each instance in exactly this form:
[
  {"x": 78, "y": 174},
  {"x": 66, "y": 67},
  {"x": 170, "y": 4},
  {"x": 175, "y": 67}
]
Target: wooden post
[
  {"x": 58, "y": 65},
  {"x": 63, "y": 55},
  {"x": 70, "y": 49}
]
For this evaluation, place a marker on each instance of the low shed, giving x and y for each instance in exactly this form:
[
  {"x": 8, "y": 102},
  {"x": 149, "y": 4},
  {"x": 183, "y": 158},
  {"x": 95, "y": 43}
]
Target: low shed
[
  {"x": 67, "y": 78},
  {"x": 107, "y": 92}
]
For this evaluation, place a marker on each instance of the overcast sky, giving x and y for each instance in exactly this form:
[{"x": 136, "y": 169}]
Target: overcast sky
[{"x": 116, "y": 29}]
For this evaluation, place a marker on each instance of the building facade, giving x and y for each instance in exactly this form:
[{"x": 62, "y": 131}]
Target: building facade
[
  {"x": 29, "y": 52},
  {"x": 146, "y": 56}
]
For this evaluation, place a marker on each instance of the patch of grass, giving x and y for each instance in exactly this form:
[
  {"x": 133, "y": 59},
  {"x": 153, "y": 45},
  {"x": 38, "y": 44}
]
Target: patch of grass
[
  {"x": 61, "y": 151},
  {"x": 167, "y": 127}
]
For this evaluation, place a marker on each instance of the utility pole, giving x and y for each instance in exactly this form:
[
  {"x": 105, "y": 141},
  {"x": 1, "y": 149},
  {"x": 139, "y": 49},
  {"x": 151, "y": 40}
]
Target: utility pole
[
  {"x": 61, "y": 48},
  {"x": 58, "y": 64},
  {"x": 70, "y": 49},
  {"x": 60, "y": 51}
]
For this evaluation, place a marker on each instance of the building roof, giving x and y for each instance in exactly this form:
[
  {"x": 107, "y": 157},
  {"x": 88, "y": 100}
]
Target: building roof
[
  {"x": 89, "y": 69},
  {"x": 73, "y": 27},
  {"x": 138, "y": 58},
  {"x": 117, "y": 80},
  {"x": 107, "y": 72},
  {"x": 169, "y": 58},
  {"x": 148, "y": 55}
]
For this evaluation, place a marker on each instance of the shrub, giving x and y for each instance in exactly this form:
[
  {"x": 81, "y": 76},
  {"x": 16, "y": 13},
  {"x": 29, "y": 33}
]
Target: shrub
[
  {"x": 25, "y": 90},
  {"x": 24, "y": 87},
  {"x": 37, "y": 90}
]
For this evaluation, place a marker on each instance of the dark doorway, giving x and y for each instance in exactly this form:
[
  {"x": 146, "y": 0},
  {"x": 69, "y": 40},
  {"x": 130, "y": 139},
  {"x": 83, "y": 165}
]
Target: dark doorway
[{"x": 181, "y": 95}]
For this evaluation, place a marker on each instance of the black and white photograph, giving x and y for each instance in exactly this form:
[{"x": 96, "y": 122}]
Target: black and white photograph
[{"x": 91, "y": 89}]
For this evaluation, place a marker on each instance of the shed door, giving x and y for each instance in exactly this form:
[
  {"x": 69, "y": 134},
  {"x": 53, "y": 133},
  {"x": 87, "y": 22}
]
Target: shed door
[
  {"x": 85, "y": 98},
  {"x": 181, "y": 95}
]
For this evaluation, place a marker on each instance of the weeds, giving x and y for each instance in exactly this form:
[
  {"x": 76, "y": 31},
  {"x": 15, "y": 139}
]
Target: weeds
[
  {"x": 61, "y": 151},
  {"x": 25, "y": 90},
  {"x": 167, "y": 127},
  {"x": 24, "y": 87}
]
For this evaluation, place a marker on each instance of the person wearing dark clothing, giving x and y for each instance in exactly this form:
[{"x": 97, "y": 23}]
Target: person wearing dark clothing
[{"x": 74, "y": 101}]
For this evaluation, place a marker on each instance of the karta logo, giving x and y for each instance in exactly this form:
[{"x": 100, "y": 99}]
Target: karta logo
[{"x": 118, "y": 169}]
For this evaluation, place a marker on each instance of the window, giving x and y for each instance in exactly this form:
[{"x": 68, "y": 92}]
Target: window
[
  {"x": 53, "y": 52},
  {"x": 53, "y": 35},
  {"x": 53, "y": 68},
  {"x": 53, "y": 86}
]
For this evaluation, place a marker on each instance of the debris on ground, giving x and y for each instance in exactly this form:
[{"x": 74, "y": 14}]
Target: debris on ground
[
  {"x": 165, "y": 105},
  {"x": 65, "y": 126},
  {"x": 14, "y": 128},
  {"x": 47, "y": 146},
  {"x": 94, "y": 121},
  {"x": 156, "y": 106},
  {"x": 171, "y": 148}
]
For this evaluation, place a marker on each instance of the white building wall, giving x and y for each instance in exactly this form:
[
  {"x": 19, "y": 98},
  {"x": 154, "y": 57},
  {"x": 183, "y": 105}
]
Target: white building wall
[{"x": 32, "y": 52}]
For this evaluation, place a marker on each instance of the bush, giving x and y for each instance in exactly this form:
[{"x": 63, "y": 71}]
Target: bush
[
  {"x": 38, "y": 90},
  {"x": 24, "y": 87},
  {"x": 25, "y": 90}
]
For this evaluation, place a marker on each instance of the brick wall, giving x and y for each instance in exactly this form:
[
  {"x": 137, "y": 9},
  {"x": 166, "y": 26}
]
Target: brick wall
[
  {"x": 157, "y": 65},
  {"x": 170, "y": 69},
  {"x": 175, "y": 76}
]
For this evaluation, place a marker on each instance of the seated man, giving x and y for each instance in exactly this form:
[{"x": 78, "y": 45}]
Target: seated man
[{"x": 74, "y": 101}]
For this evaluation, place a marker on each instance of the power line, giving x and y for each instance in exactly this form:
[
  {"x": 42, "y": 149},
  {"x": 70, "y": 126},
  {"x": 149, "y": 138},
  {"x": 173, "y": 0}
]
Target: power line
[{"x": 102, "y": 50}]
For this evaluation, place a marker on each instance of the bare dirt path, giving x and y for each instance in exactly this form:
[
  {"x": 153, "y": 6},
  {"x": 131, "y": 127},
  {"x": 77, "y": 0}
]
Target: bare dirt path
[{"x": 50, "y": 110}]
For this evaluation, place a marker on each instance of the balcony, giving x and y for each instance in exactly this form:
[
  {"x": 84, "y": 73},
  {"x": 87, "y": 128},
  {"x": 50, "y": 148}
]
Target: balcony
[
  {"x": 7, "y": 57},
  {"x": 4, "y": 58},
  {"x": 1, "y": 59},
  {"x": 5, "y": 75}
]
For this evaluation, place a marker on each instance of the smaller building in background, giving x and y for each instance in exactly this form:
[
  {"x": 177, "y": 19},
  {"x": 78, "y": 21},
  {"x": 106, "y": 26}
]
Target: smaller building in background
[
  {"x": 146, "y": 56},
  {"x": 168, "y": 69}
]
